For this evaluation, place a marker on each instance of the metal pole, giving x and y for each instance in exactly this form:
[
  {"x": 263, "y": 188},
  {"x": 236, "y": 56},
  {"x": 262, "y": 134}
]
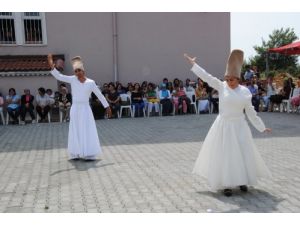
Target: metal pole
[{"x": 115, "y": 46}]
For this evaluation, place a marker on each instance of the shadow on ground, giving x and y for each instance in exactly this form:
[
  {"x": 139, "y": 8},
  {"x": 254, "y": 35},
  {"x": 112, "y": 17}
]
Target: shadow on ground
[
  {"x": 129, "y": 131},
  {"x": 255, "y": 201},
  {"x": 83, "y": 166}
]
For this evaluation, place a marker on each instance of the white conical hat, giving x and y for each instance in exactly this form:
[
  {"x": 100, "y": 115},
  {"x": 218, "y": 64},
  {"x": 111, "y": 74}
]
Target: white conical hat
[
  {"x": 77, "y": 63},
  {"x": 235, "y": 63}
]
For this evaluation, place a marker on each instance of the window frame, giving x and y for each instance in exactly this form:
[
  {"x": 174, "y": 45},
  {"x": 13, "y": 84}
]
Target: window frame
[
  {"x": 43, "y": 24},
  {"x": 12, "y": 16},
  {"x": 19, "y": 18}
]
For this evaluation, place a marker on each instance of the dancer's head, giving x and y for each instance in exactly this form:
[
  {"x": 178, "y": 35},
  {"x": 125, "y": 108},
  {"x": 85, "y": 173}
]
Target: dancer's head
[
  {"x": 234, "y": 67},
  {"x": 78, "y": 68}
]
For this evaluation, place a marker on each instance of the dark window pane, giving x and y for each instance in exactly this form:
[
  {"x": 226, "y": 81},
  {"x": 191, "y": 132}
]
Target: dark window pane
[
  {"x": 33, "y": 31},
  {"x": 32, "y": 14},
  {"x": 7, "y": 31},
  {"x": 5, "y": 14}
]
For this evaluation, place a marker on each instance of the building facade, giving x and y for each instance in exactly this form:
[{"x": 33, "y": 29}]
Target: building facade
[{"x": 123, "y": 46}]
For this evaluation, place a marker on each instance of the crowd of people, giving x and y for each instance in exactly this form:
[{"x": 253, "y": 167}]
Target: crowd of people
[
  {"x": 171, "y": 97},
  {"x": 17, "y": 106}
]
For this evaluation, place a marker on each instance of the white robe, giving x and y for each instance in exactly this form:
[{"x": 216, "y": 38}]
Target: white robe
[
  {"x": 228, "y": 157},
  {"x": 83, "y": 141}
]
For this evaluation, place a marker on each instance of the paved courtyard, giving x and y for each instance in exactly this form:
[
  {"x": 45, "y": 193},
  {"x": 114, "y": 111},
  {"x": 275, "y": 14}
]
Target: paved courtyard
[{"x": 146, "y": 167}]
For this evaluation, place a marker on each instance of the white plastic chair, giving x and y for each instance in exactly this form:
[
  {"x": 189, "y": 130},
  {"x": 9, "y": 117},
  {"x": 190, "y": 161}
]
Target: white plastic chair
[
  {"x": 2, "y": 115},
  {"x": 190, "y": 95},
  {"x": 124, "y": 98},
  {"x": 204, "y": 105},
  {"x": 38, "y": 117},
  {"x": 161, "y": 108},
  {"x": 298, "y": 109},
  {"x": 8, "y": 118},
  {"x": 150, "y": 109},
  {"x": 60, "y": 116},
  {"x": 210, "y": 107},
  {"x": 133, "y": 111},
  {"x": 285, "y": 104}
]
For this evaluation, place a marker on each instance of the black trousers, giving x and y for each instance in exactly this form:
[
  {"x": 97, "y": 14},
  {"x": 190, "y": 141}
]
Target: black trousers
[
  {"x": 43, "y": 112},
  {"x": 14, "y": 113},
  {"x": 24, "y": 110}
]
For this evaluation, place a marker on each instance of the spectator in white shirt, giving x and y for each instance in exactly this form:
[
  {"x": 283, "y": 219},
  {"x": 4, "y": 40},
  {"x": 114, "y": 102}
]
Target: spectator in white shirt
[{"x": 43, "y": 103}]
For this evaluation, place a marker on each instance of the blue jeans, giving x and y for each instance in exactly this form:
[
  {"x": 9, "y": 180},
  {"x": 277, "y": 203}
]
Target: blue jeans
[
  {"x": 14, "y": 113},
  {"x": 138, "y": 107}
]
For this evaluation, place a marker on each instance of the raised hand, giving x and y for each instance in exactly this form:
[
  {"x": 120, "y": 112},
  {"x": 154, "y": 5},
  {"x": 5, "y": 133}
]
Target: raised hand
[
  {"x": 190, "y": 59},
  {"x": 50, "y": 61}
]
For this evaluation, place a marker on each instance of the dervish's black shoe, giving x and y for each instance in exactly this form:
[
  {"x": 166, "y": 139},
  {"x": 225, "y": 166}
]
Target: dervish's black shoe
[
  {"x": 75, "y": 159},
  {"x": 227, "y": 192},
  {"x": 89, "y": 160},
  {"x": 243, "y": 188}
]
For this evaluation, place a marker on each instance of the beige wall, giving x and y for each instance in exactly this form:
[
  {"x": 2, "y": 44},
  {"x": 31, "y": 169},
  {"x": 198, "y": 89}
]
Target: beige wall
[
  {"x": 151, "y": 45},
  {"x": 86, "y": 34},
  {"x": 20, "y": 83}
]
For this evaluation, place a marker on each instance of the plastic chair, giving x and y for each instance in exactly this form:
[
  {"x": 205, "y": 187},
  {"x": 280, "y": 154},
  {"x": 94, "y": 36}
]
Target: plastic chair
[
  {"x": 124, "y": 98},
  {"x": 38, "y": 117},
  {"x": 8, "y": 118},
  {"x": 133, "y": 111},
  {"x": 153, "y": 107},
  {"x": 204, "y": 105},
  {"x": 190, "y": 95},
  {"x": 2, "y": 115}
]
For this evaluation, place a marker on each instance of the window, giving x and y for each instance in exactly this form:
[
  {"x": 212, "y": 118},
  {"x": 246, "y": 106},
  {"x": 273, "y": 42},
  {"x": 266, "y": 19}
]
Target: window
[
  {"x": 32, "y": 23},
  {"x": 7, "y": 28},
  {"x": 28, "y": 28}
]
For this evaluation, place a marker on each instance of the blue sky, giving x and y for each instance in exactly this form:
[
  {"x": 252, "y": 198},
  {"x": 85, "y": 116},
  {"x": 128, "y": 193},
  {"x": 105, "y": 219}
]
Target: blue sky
[{"x": 248, "y": 29}]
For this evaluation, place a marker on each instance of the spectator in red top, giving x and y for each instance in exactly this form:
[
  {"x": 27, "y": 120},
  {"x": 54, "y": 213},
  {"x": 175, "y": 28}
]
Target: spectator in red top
[{"x": 27, "y": 106}]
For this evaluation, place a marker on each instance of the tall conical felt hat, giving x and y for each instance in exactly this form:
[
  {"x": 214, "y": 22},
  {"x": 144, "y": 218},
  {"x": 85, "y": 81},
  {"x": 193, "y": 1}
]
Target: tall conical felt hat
[
  {"x": 234, "y": 63},
  {"x": 77, "y": 63}
]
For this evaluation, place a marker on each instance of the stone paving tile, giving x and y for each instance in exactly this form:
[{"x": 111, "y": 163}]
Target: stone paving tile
[{"x": 145, "y": 168}]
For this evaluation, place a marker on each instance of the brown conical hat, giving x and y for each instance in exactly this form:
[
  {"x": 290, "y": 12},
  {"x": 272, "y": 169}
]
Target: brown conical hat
[
  {"x": 77, "y": 63},
  {"x": 235, "y": 63}
]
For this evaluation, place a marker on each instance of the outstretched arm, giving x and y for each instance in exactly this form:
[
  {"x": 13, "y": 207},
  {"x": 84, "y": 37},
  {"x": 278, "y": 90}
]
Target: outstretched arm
[
  {"x": 200, "y": 72},
  {"x": 254, "y": 119},
  {"x": 56, "y": 73},
  {"x": 99, "y": 95},
  {"x": 102, "y": 99}
]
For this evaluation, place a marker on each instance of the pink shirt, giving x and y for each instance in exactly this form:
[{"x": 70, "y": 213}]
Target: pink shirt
[
  {"x": 181, "y": 92},
  {"x": 27, "y": 98}
]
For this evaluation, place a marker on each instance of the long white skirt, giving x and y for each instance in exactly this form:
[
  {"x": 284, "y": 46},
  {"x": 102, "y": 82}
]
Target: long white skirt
[
  {"x": 228, "y": 157},
  {"x": 83, "y": 141}
]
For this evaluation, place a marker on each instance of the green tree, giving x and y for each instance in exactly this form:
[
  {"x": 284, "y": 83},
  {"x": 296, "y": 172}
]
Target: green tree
[{"x": 276, "y": 61}]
